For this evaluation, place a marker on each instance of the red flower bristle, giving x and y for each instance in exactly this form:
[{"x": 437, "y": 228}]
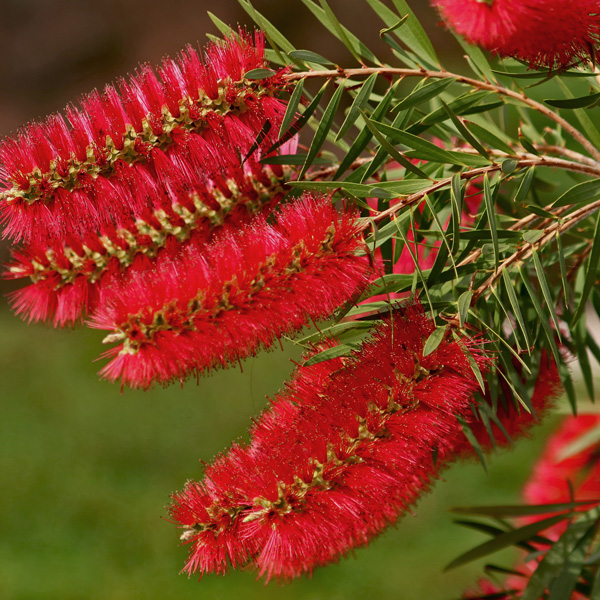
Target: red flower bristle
[
  {"x": 215, "y": 304},
  {"x": 55, "y": 174},
  {"x": 184, "y": 207},
  {"x": 557, "y": 478},
  {"x": 553, "y": 34},
  {"x": 346, "y": 449}
]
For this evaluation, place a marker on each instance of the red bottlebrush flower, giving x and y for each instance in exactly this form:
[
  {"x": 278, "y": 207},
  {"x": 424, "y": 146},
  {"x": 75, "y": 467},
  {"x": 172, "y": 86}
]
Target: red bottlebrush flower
[
  {"x": 55, "y": 174},
  {"x": 542, "y": 33},
  {"x": 219, "y": 303},
  {"x": 187, "y": 207},
  {"x": 346, "y": 449},
  {"x": 556, "y": 479}
]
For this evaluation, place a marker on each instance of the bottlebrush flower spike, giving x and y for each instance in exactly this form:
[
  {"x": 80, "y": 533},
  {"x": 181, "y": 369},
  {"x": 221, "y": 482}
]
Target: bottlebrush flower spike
[
  {"x": 542, "y": 33},
  {"x": 55, "y": 174},
  {"x": 346, "y": 449},
  {"x": 68, "y": 277},
  {"x": 216, "y": 304},
  {"x": 556, "y": 478}
]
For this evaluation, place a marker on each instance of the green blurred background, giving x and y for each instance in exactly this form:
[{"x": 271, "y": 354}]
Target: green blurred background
[{"x": 86, "y": 470}]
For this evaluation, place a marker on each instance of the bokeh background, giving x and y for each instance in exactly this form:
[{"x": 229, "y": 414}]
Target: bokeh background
[{"x": 86, "y": 470}]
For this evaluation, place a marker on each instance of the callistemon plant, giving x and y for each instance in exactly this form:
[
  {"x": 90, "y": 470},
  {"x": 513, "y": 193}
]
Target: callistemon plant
[{"x": 440, "y": 228}]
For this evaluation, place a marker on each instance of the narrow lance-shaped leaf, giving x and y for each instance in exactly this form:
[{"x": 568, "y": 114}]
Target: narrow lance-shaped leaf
[
  {"x": 423, "y": 94},
  {"x": 504, "y": 540},
  {"x": 543, "y": 317},
  {"x": 516, "y": 307},
  {"x": 299, "y": 124},
  {"x": 525, "y": 185},
  {"x": 464, "y": 132},
  {"x": 591, "y": 273},
  {"x": 395, "y": 154},
  {"x": 582, "y": 116},
  {"x": 359, "y": 50},
  {"x": 582, "y": 193},
  {"x": 359, "y": 103},
  {"x": 292, "y": 108},
  {"x": 520, "y": 510},
  {"x": 365, "y": 135},
  {"x": 557, "y": 556},
  {"x": 479, "y": 62},
  {"x": 413, "y": 33},
  {"x": 309, "y": 56},
  {"x": 275, "y": 38},
  {"x": 563, "y": 269},
  {"x": 489, "y": 206},
  {"x": 539, "y": 269}
]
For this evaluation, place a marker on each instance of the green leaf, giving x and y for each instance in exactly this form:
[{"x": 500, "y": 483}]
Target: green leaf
[
  {"x": 472, "y": 439},
  {"x": 331, "y": 23},
  {"x": 541, "y": 316},
  {"x": 385, "y": 144},
  {"x": 335, "y": 330},
  {"x": 464, "y": 132},
  {"x": 582, "y": 116},
  {"x": 329, "y": 353},
  {"x": 525, "y": 185},
  {"x": 595, "y": 593},
  {"x": 299, "y": 124},
  {"x": 582, "y": 193},
  {"x": 387, "y": 189},
  {"x": 426, "y": 149},
  {"x": 539, "y": 268},
  {"x": 479, "y": 62},
  {"x": 414, "y": 35},
  {"x": 323, "y": 129},
  {"x": 359, "y": 104},
  {"x": 489, "y": 207},
  {"x": 422, "y": 94},
  {"x": 556, "y": 557},
  {"x": 532, "y": 236},
  {"x": 308, "y": 56},
  {"x": 434, "y": 340},
  {"x": 364, "y": 137},
  {"x": 579, "y": 334},
  {"x": 490, "y": 138},
  {"x": 464, "y": 304},
  {"x": 291, "y": 159},
  {"x": 392, "y": 28},
  {"x": 259, "y": 74},
  {"x": 509, "y": 165},
  {"x": 520, "y": 510},
  {"x": 581, "y": 102},
  {"x": 563, "y": 268},
  {"x": 275, "y": 37},
  {"x": 590, "y": 275},
  {"x": 510, "y": 538},
  {"x": 292, "y": 108},
  {"x": 220, "y": 25}
]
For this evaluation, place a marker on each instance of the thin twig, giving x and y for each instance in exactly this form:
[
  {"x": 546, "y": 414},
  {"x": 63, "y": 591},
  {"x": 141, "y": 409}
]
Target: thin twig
[{"x": 482, "y": 85}]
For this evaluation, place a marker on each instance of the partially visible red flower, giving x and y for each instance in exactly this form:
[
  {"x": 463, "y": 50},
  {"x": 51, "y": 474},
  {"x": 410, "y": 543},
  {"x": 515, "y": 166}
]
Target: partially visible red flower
[
  {"x": 186, "y": 207},
  {"x": 213, "y": 304},
  {"x": 556, "y": 479},
  {"x": 542, "y": 33},
  {"x": 346, "y": 449},
  {"x": 55, "y": 175}
]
